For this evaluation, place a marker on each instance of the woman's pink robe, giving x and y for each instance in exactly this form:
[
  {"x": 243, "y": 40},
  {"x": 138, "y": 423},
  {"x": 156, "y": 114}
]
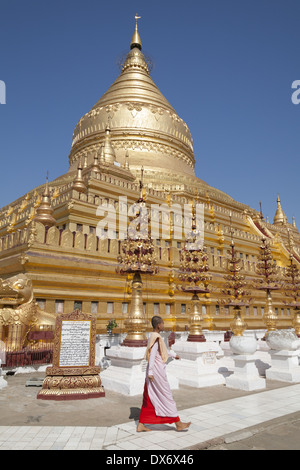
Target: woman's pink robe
[{"x": 158, "y": 404}]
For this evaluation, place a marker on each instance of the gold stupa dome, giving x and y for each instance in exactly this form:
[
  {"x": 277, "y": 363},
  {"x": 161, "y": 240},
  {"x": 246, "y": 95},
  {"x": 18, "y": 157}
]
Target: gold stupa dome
[{"x": 141, "y": 121}]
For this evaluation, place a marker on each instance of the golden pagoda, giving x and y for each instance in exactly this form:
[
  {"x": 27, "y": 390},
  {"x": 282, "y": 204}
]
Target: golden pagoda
[{"x": 70, "y": 266}]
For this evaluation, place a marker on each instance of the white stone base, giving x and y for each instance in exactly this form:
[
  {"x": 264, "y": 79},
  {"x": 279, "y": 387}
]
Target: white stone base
[
  {"x": 198, "y": 366},
  {"x": 284, "y": 366},
  {"x": 126, "y": 374},
  {"x": 3, "y": 382},
  {"x": 246, "y": 376}
]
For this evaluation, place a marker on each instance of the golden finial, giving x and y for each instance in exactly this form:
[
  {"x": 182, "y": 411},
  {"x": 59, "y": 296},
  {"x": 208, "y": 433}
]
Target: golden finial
[
  {"x": 96, "y": 167},
  {"x": 45, "y": 211},
  {"x": 127, "y": 160},
  {"x": 261, "y": 213},
  {"x": 78, "y": 183},
  {"x": 136, "y": 40},
  {"x": 109, "y": 153}
]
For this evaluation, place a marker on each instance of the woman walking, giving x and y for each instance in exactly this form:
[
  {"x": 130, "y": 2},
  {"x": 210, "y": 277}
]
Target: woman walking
[{"x": 158, "y": 404}]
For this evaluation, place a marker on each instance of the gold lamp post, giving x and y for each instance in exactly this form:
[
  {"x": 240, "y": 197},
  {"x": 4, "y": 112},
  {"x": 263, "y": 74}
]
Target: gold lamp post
[
  {"x": 234, "y": 289},
  {"x": 292, "y": 288},
  {"x": 193, "y": 272},
  {"x": 267, "y": 269},
  {"x": 137, "y": 258}
]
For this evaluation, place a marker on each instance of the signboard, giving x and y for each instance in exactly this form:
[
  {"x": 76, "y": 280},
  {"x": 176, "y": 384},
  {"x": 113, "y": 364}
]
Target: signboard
[
  {"x": 74, "y": 344},
  {"x": 73, "y": 375},
  {"x": 75, "y": 341}
]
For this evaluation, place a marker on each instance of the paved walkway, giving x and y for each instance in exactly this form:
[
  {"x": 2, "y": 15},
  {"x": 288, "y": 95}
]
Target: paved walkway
[{"x": 209, "y": 421}]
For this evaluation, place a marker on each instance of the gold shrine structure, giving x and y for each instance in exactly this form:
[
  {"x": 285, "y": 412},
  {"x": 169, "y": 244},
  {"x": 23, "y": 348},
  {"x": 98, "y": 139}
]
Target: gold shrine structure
[{"x": 49, "y": 237}]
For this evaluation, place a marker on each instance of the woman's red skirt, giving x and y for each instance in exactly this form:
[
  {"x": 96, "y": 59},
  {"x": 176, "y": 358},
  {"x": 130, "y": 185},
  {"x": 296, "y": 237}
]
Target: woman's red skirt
[{"x": 148, "y": 415}]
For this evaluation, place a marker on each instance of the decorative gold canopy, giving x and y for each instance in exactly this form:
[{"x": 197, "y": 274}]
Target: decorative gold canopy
[{"x": 141, "y": 122}]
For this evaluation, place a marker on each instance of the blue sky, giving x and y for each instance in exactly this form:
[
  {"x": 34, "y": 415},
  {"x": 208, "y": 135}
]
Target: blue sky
[{"x": 226, "y": 66}]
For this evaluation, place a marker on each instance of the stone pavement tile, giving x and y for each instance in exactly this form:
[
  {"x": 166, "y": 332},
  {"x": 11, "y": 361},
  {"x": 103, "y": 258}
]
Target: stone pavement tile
[
  {"x": 141, "y": 442},
  {"x": 114, "y": 447},
  {"x": 170, "y": 445},
  {"x": 110, "y": 436},
  {"x": 84, "y": 446},
  {"x": 56, "y": 446},
  {"x": 123, "y": 435},
  {"x": 44, "y": 446},
  {"x": 95, "y": 447},
  {"x": 183, "y": 441},
  {"x": 128, "y": 445},
  {"x": 18, "y": 446},
  {"x": 89, "y": 432},
  {"x": 155, "y": 437},
  {"x": 130, "y": 427},
  {"x": 154, "y": 447}
]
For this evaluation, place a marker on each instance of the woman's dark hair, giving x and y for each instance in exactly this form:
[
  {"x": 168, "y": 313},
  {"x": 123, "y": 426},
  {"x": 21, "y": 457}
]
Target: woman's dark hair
[{"x": 156, "y": 320}]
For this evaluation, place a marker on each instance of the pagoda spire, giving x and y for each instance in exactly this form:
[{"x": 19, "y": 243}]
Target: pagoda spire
[
  {"x": 45, "y": 211},
  {"x": 294, "y": 222},
  {"x": 136, "y": 40},
  {"x": 78, "y": 183},
  {"x": 109, "y": 153},
  {"x": 280, "y": 217}
]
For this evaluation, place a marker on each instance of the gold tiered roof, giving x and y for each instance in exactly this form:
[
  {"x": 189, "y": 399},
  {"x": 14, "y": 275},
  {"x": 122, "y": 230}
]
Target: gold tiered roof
[{"x": 141, "y": 121}]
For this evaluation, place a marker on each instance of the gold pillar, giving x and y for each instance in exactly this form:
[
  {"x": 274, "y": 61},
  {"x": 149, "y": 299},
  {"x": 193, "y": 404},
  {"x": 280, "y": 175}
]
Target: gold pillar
[
  {"x": 15, "y": 337},
  {"x": 135, "y": 323},
  {"x": 196, "y": 334},
  {"x": 296, "y": 321}
]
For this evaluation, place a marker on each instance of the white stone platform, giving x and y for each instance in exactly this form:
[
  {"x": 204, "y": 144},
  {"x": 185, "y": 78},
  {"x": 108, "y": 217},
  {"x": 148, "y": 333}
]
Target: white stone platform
[
  {"x": 198, "y": 366},
  {"x": 245, "y": 374},
  {"x": 284, "y": 366}
]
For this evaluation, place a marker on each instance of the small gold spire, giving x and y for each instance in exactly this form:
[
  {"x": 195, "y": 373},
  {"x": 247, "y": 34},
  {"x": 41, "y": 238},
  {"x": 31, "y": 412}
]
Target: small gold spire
[
  {"x": 79, "y": 184},
  {"x": 136, "y": 40},
  {"x": 96, "y": 166},
  {"x": 280, "y": 217},
  {"x": 102, "y": 158},
  {"x": 109, "y": 153},
  {"x": 126, "y": 160},
  {"x": 294, "y": 222},
  {"x": 44, "y": 211}
]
